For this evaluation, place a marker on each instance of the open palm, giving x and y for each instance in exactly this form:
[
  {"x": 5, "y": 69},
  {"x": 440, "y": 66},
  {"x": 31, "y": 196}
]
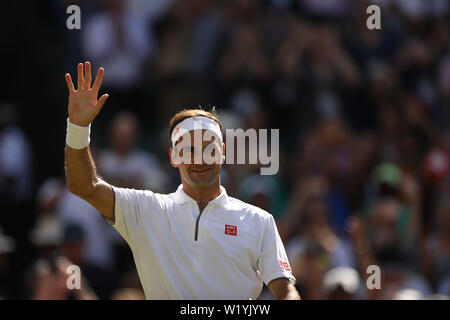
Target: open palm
[{"x": 83, "y": 104}]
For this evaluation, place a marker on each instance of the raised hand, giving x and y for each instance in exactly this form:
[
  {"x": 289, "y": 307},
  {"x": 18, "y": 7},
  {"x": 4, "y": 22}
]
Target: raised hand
[{"x": 83, "y": 104}]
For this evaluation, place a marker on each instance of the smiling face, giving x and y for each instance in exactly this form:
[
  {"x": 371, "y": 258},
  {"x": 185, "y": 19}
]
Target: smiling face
[{"x": 198, "y": 159}]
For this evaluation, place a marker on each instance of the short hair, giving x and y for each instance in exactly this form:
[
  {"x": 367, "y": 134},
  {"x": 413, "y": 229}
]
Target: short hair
[{"x": 188, "y": 113}]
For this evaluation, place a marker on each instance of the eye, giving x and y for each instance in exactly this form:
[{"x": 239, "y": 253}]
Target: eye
[{"x": 189, "y": 150}]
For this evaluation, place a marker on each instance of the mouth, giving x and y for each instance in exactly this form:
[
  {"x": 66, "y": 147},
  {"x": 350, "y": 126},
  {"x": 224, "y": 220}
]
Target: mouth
[{"x": 202, "y": 171}]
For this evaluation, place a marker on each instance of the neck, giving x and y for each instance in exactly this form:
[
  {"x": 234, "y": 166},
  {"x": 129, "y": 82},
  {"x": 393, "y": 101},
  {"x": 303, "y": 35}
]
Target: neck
[{"x": 203, "y": 194}]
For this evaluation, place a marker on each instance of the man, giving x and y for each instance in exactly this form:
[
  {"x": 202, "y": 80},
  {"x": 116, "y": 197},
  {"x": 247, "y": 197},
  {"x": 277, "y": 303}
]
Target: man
[
  {"x": 123, "y": 164},
  {"x": 195, "y": 243}
]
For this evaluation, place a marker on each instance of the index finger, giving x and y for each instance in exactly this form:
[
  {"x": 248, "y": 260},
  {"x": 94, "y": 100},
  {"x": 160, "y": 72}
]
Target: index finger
[
  {"x": 69, "y": 83},
  {"x": 98, "y": 80}
]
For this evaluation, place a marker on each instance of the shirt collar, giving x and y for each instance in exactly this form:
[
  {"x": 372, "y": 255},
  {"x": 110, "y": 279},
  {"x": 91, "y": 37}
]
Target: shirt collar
[{"x": 181, "y": 197}]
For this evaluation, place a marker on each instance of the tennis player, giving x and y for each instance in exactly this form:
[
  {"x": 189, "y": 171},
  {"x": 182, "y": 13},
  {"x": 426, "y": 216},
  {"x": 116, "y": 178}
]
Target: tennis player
[{"x": 195, "y": 243}]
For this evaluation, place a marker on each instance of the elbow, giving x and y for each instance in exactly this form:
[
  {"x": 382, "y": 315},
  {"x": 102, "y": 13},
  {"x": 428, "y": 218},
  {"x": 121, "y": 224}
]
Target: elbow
[
  {"x": 74, "y": 189},
  {"x": 80, "y": 191}
]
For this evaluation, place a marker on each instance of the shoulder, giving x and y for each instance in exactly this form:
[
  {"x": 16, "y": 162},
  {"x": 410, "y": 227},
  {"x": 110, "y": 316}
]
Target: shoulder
[
  {"x": 250, "y": 211},
  {"x": 143, "y": 198}
]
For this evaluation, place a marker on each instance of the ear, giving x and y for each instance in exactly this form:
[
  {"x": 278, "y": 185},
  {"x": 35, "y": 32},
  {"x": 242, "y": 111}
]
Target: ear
[
  {"x": 223, "y": 154},
  {"x": 171, "y": 159}
]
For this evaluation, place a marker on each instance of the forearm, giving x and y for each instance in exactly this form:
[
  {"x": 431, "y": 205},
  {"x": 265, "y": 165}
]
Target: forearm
[
  {"x": 282, "y": 289},
  {"x": 81, "y": 174},
  {"x": 82, "y": 180},
  {"x": 85, "y": 292},
  {"x": 290, "y": 294}
]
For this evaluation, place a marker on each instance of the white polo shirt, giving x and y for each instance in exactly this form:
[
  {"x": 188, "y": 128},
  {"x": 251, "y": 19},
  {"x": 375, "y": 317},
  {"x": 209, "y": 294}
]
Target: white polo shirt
[{"x": 225, "y": 253}]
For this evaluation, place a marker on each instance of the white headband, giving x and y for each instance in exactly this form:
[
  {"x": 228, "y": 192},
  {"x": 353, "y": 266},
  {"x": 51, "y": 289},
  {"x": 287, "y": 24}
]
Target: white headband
[{"x": 195, "y": 123}]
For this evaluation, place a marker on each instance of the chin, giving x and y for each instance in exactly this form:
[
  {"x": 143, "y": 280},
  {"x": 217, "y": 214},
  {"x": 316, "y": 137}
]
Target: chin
[{"x": 203, "y": 181}]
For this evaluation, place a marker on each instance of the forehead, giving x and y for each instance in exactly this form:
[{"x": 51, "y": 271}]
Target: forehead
[{"x": 198, "y": 136}]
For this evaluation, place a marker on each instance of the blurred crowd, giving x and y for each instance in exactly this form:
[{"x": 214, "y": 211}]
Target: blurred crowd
[{"x": 364, "y": 119}]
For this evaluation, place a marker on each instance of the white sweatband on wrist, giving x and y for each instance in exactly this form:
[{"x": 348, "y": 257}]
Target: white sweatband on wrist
[{"x": 77, "y": 137}]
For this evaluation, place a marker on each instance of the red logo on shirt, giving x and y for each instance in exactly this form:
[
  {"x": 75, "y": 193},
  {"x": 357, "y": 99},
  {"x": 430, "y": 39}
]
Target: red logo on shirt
[
  {"x": 285, "y": 265},
  {"x": 231, "y": 230}
]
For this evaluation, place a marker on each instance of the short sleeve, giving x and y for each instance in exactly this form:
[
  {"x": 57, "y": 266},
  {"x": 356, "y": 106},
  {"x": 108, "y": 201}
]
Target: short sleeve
[
  {"x": 130, "y": 208},
  {"x": 273, "y": 262}
]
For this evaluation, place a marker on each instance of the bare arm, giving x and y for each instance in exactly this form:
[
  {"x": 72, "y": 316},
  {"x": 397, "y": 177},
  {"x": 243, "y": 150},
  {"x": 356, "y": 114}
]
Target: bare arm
[
  {"x": 283, "y": 289},
  {"x": 81, "y": 175}
]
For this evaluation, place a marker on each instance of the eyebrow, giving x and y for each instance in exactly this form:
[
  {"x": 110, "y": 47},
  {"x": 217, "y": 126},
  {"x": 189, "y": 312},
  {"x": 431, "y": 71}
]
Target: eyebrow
[{"x": 195, "y": 147}]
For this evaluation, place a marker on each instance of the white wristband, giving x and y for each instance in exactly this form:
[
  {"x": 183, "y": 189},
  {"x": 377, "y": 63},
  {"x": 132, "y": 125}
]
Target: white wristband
[{"x": 77, "y": 137}]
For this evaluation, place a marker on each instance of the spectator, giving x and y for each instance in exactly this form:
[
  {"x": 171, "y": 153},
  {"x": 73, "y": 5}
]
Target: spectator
[
  {"x": 437, "y": 252},
  {"x": 245, "y": 61},
  {"x": 99, "y": 238},
  {"x": 123, "y": 163},
  {"x": 264, "y": 192},
  {"x": 7, "y": 245},
  {"x": 50, "y": 282},
  {"x": 16, "y": 192},
  {"x": 101, "y": 281},
  {"x": 56, "y": 208},
  {"x": 128, "y": 294},
  {"x": 120, "y": 43},
  {"x": 316, "y": 249},
  {"x": 342, "y": 283},
  {"x": 15, "y": 170}
]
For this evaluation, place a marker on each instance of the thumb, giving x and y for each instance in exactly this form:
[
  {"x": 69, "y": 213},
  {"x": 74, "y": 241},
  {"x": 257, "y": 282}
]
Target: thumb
[{"x": 101, "y": 101}]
